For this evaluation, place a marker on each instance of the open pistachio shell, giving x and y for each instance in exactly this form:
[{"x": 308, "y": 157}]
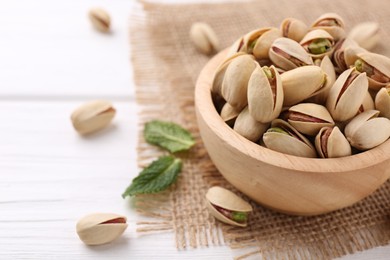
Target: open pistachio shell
[
  {"x": 327, "y": 66},
  {"x": 331, "y": 143},
  {"x": 332, "y": 23},
  {"x": 377, "y": 68},
  {"x": 368, "y": 103},
  {"x": 351, "y": 55},
  {"x": 367, "y": 130},
  {"x": 229, "y": 114},
  {"x": 220, "y": 72},
  {"x": 284, "y": 138},
  {"x": 288, "y": 54},
  {"x": 339, "y": 53},
  {"x": 100, "y": 228},
  {"x": 347, "y": 95},
  {"x": 318, "y": 43},
  {"x": 294, "y": 29},
  {"x": 259, "y": 41},
  {"x": 223, "y": 204},
  {"x": 235, "y": 81},
  {"x": 248, "y": 127},
  {"x": 309, "y": 118},
  {"x": 302, "y": 83},
  {"x": 365, "y": 34},
  {"x": 237, "y": 46},
  {"x": 382, "y": 102},
  {"x": 265, "y": 94}
]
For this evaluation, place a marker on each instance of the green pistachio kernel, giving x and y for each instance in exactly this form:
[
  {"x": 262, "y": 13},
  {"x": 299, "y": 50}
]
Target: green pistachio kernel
[
  {"x": 276, "y": 130},
  {"x": 319, "y": 46},
  {"x": 240, "y": 217},
  {"x": 267, "y": 72}
]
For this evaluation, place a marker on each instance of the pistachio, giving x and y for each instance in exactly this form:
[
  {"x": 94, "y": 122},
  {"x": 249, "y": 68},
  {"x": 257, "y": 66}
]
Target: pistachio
[
  {"x": 331, "y": 23},
  {"x": 326, "y": 65},
  {"x": 293, "y": 28},
  {"x": 318, "y": 43},
  {"x": 367, "y": 104},
  {"x": 302, "y": 83},
  {"x": 377, "y": 68},
  {"x": 204, "y": 38},
  {"x": 331, "y": 143},
  {"x": 365, "y": 34},
  {"x": 288, "y": 54},
  {"x": 258, "y": 42},
  {"x": 248, "y": 127},
  {"x": 367, "y": 130},
  {"x": 265, "y": 94},
  {"x": 229, "y": 114},
  {"x": 340, "y": 55},
  {"x": 92, "y": 116},
  {"x": 235, "y": 82},
  {"x": 347, "y": 95},
  {"x": 227, "y": 206},
  {"x": 284, "y": 138},
  {"x": 100, "y": 19},
  {"x": 382, "y": 102},
  {"x": 220, "y": 73},
  {"x": 100, "y": 228},
  {"x": 309, "y": 118}
]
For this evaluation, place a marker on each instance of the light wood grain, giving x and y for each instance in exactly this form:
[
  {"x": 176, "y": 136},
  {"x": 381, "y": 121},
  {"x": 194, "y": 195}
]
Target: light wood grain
[{"x": 286, "y": 183}]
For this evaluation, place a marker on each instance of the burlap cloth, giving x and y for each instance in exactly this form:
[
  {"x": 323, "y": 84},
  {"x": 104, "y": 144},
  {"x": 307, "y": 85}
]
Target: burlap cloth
[{"x": 166, "y": 66}]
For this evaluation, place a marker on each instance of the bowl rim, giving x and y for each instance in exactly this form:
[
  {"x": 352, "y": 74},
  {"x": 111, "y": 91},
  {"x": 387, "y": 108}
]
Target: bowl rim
[{"x": 206, "y": 109}]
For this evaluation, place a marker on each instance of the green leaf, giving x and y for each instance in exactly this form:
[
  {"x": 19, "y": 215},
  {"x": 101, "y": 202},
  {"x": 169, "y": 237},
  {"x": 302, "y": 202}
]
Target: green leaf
[
  {"x": 169, "y": 136},
  {"x": 158, "y": 176}
]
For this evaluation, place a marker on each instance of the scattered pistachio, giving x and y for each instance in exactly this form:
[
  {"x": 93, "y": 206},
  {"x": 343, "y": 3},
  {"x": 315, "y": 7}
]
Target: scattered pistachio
[
  {"x": 92, "y": 116},
  {"x": 100, "y": 19}
]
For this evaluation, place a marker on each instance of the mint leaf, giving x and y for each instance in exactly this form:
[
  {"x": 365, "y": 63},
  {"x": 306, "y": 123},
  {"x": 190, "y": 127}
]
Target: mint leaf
[
  {"x": 169, "y": 136},
  {"x": 158, "y": 176}
]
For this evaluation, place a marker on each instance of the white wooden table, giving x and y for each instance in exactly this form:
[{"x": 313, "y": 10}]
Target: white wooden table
[{"x": 51, "y": 60}]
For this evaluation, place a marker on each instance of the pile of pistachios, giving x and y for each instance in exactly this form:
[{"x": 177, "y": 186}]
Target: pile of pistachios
[{"x": 307, "y": 91}]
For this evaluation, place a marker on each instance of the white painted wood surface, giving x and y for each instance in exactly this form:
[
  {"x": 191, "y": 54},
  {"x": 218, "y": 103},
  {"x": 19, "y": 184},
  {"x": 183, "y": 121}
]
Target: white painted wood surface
[{"x": 50, "y": 62}]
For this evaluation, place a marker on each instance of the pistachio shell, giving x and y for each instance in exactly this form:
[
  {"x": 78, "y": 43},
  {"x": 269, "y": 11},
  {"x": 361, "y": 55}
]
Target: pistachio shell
[
  {"x": 293, "y": 28},
  {"x": 288, "y": 54},
  {"x": 331, "y": 143},
  {"x": 336, "y": 30},
  {"x": 309, "y": 118},
  {"x": 259, "y": 41},
  {"x": 229, "y": 114},
  {"x": 365, "y": 34},
  {"x": 237, "y": 46},
  {"x": 378, "y": 64},
  {"x": 235, "y": 82},
  {"x": 367, "y": 130},
  {"x": 100, "y": 228},
  {"x": 225, "y": 199},
  {"x": 295, "y": 144},
  {"x": 92, "y": 116},
  {"x": 248, "y": 127},
  {"x": 344, "y": 100},
  {"x": 327, "y": 66},
  {"x": 351, "y": 54},
  {"x": 317, "y": 35},
  {"x": 382, "y": 102},
  {"x": 302, "y": 83},
  {"x": 265, "y": 100},
  {"x": 339, "y": 54},
  {"x": 220, "y": 72},
  {"x": 204, "y": 38},
  {"x": 368, "y": 103}
]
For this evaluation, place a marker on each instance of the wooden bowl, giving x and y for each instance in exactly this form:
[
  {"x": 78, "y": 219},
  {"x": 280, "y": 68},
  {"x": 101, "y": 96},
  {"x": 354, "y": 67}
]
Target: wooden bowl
[{"x": 286, "y": 183}]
